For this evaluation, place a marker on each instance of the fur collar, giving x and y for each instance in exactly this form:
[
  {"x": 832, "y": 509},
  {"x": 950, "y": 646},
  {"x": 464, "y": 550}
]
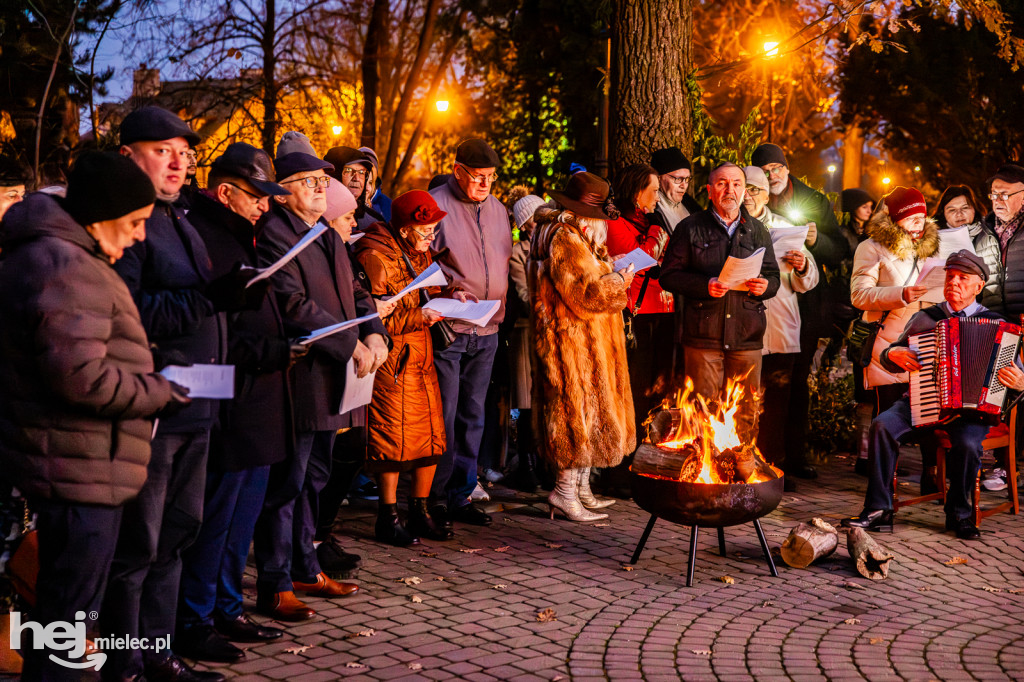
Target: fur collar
[
  {"x": 895, "y": 240},
  {"x": 549, "y": 220}
]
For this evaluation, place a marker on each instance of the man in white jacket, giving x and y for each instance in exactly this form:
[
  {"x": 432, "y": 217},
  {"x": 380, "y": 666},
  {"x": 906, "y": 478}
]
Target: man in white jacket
[{"x": 799, "y": 274}]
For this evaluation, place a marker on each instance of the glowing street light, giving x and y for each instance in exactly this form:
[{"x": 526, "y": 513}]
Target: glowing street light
[
  {"x": 442, "y": 105},
  {"x": 771, "y": 49},
  {"x": 336, "y": 130},
  {"x": 831, "y": 168},
  {"x": 886, "y": 180},
  {"x": 917, "y": 169}
]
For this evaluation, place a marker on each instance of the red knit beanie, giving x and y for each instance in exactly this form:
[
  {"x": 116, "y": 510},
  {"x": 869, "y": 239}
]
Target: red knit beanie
[{"x": 904, "y": 202}]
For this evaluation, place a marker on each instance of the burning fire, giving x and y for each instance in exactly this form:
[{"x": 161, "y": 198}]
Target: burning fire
[{"x": 713, "y": 432}]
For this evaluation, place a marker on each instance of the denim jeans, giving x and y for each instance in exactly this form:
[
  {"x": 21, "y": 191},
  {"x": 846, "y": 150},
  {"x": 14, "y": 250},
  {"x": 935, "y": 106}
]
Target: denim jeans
[{"x": 464, "y": 373}]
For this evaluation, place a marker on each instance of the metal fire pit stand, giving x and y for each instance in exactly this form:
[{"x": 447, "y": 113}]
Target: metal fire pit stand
[{"x": 693, "y": 547}]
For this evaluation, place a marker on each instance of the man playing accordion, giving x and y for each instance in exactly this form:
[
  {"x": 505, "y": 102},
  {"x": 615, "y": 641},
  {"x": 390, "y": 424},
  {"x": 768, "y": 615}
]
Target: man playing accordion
[{"x": 966, "y": 274}]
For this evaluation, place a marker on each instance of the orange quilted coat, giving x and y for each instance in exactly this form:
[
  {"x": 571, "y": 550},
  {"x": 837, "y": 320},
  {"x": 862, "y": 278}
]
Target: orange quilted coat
[{"x": 405, "y": 421}]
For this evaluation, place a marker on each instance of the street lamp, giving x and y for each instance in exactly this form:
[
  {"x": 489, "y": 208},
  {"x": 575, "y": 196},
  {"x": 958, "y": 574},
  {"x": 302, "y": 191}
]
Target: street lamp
[
  {"x": 336, "y": 130},
  {"x": 442, "y": 105},
  {"x": 771, "y": 50},
  {"x": 832, "y": 168},
  {"x": 886, "y": 180}
]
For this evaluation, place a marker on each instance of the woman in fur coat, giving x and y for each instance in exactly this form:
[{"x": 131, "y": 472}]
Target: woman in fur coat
[
  {"x": 885, "y": 268},
  {"x": 582, "y": 406}
]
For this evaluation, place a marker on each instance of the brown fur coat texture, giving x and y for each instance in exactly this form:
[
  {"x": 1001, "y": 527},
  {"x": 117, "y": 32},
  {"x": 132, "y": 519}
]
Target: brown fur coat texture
[{"x": 582, "y": 405}]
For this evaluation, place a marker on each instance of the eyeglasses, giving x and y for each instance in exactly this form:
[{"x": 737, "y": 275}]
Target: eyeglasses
[
  {"x": 428, "y": 235},
  {"x": 312, "y": 182},
  {"x": 677, "y": 180},
  {"x": 774, "y": 170},
  {"x": 754, "y": 191},
  {"x": 1003, "y": 196},
  {"x": 358, "y": 172},
  {"x": 479, "y": 179},
  {"x": 242, "y": 189}
]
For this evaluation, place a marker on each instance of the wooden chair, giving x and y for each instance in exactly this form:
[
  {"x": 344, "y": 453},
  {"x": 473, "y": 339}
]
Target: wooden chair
[{"x": 1001, "y": 436}]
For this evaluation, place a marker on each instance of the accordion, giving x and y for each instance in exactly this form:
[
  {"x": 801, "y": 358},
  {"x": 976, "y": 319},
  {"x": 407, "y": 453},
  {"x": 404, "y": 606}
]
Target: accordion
[{"x": 959, "y": 360}]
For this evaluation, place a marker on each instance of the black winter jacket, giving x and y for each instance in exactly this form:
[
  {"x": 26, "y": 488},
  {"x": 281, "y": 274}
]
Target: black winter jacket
[
  {"x": 254, "y": 429},
  {"x": 318, "y": 288},
  {"x": 1007, "y": 298},
  {"x": 77, "y": 387},
  {"x": 695, "y": 254},
  {"x": 167, "y": 273}
]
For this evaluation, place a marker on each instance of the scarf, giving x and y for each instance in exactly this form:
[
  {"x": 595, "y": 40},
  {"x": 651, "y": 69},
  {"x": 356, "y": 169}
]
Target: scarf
[{"x": 1006, "y": 230}]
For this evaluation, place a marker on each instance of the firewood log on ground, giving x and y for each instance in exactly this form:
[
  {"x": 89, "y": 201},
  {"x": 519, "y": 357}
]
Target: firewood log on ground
[
  {"x": 872, "y": 560},
  {"x": 809, "y": 542}
]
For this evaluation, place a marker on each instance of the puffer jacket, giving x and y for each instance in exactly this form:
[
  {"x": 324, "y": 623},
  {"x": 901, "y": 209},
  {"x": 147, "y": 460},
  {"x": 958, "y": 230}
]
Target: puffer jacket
[
  {"x": 696, "y": 253},
  {"x": 77, "y": 374},
  {"x": 986, "y": 245},
  {"x": 888, "y": 261},
  {"x": 405, "y": 421},
  {"x": 1007, "y": 296}
]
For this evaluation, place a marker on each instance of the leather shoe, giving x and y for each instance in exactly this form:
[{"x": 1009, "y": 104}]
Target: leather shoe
[
  {"x": 244, "y": 629},
  {"x": 173, "y": 669},
  {"x": 802, "y": 471},
  {"x": 439, "y": 512},
  {"x": 203, "y": 643},
  {"x": 326, "y": 587},
  {"x": 471, "y": 514},
  {"x": 871, "y": 520},
  {"x": 336, "y": 562},
  {"x": 966, "y": 530},
  {"x": 283, "y": 606}
]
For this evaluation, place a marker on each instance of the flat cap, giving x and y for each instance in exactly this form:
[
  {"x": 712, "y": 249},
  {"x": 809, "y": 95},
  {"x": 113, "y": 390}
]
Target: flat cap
[
  {"x": 475, "y": 153},
  {"x": 299, "y": 162},
  {"x": 1008, "y": 172},
  {"x": 155, "y": 123},
  {"x": 339, "y": 157},
  {"x": 971, "y": 263},
  {"x": 252, "y": 165}
]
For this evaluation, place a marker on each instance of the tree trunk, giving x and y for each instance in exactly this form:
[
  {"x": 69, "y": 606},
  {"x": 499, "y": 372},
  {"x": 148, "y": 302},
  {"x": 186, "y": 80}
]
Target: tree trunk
[
  {"x": 809, "y": 542},
  {"x": 872, "y": 560},
  {"x": 853, "y": 155},
  {"x": 650, "y": 60},
  {"x": 270, "y": 90},
  {"x": 376, "y": 37}
]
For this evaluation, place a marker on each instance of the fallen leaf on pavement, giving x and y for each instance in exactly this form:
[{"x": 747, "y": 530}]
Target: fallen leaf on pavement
[
  {"x": 415, "y": 666},
  {"x": 502, "y": 549},
  {"x": 546, "y": 615},
  {"x": 1016, "y": 591},
  {"x": 415, "y": 599},
  {"x": 853, "y": 586},
  {"x": 353, "y": 664},
  {"x": 368, "y": 632},
  {"x": 991, "y": 589},
  {"x": 552, "y": 545},
  {"x": 627, "y": 567},
  {"x": 877, "y": 640},
  {"x": 429, "y": 555},
  {"x": 440, "y": 577},
  {"x": 415, "y": 561},
  {"x": 412, "y": 580},
  {"x": 955, "y": 560},
  {"x": 701, "y": 652},
  {"x": 728, "y": 579},
  {"x": 557, "y": 678},
  {"x": 767, "y": 603},
  {"x": 601, "y": 525},
  {"x": 926, "y": 588},
  {"x": 470, "y": 551},
  {"x": 302, "y": 648},
  {"x": 499, "y": 586},
  {"x": 851, "y": 621}
]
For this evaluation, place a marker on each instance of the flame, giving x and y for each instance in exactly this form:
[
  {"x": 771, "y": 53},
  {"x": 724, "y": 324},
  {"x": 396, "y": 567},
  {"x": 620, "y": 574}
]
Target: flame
[{"x": 710, "y": 429}]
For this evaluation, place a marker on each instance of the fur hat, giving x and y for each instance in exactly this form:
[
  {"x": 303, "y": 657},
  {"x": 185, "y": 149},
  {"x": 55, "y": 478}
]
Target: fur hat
[{"x": 904, "y": 202}]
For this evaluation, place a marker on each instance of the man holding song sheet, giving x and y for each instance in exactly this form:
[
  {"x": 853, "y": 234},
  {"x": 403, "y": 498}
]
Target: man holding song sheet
[{"x": 722, "y": 327}]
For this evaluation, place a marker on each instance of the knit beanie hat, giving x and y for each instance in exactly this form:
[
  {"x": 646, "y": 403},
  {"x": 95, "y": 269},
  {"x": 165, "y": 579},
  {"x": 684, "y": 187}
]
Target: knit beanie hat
[
  {"x": 339, "y": 201},
  {"x": 294, "y": 141},
  {"x": 768, "y": 153},
  {"x": 852, "y": 199},
  {"x": 524, "y": 208},
  {"x": 104, "y": 186},
  {"x": 904, "y": 202},
  {"x": 669, "y": 160}
]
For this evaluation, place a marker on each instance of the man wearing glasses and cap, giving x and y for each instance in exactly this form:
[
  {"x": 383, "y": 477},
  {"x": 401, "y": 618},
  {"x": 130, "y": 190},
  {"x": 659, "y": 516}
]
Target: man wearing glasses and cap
[
  {"x": 1003, "y": 228},
  {"x": 318, "y": 288},
  {"x": 474, "y": 247},
  {"x": 255, "y": 427}
]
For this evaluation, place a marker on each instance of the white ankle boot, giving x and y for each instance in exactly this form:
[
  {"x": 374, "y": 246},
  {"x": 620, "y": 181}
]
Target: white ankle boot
[
  {"x": 587, "y": 498},
  {"x": 565, "y": 498}
]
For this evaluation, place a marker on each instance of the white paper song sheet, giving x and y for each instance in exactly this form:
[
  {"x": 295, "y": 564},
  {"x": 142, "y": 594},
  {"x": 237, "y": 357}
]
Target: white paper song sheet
[
  {"x": 786, "y": 239},
  {"x": 479, "y": 313},
  {"x": 306, "y": 240},
  {"x": 358, "y": 392},
  {"x": 335, "y": 328},
  {"x": 953, "y": 240},
  {"x": 431, "y": 277},
  {"x": 639, "y": 259},
  {"x": 204, "y": 381},
  {"x": 737, "y": 271}
]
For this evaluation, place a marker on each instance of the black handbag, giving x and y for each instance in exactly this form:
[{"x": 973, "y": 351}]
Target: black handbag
[{"x": 860, "y": 340}]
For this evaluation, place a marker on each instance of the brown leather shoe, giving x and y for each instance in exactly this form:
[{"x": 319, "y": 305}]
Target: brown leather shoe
[
  {"x": 284, "y": 606},
  {"x": 326, "y": 587}
]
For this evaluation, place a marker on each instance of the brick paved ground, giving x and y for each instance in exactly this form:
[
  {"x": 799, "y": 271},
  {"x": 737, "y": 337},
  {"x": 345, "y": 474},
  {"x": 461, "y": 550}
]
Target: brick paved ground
[{"x": 473, "y": 613}]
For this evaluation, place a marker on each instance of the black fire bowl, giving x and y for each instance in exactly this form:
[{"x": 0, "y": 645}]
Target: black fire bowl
[{"x": 713, "y": 505}]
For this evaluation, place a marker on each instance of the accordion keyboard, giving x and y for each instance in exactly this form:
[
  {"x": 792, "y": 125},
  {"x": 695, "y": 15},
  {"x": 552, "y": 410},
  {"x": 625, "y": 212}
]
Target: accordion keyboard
[{"x": 925, "y": 404}]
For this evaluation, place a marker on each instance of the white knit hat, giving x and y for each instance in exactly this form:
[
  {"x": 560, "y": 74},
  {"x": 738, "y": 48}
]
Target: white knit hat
[{"x": 524, "y": 208}]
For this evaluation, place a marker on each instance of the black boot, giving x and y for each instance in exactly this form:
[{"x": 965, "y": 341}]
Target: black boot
[
  {"x": 423, "y": 525},
  {"x": 526, "y": 479},
  {"x": 389, "y": 528}
]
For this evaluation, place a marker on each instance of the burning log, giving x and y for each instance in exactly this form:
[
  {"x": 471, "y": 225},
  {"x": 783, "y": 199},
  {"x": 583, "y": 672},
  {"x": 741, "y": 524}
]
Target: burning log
[
  {"x": 871, "y": 558},
  {"x": 809, "y": 542}
]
